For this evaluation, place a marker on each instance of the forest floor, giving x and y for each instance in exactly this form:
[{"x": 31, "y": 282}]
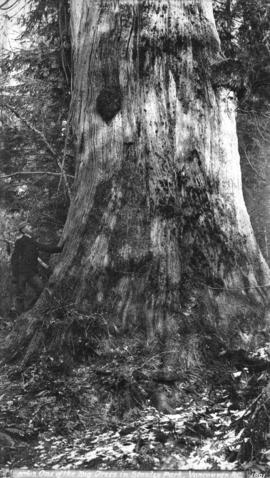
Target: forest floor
[{"x": 104, "y": 415}]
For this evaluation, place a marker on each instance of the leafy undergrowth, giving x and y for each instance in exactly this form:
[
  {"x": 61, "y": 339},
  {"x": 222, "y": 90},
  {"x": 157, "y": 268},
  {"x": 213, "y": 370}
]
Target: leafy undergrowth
[
  {"x": 147, "y": 440},
  {"x": 117, "y": 413}
]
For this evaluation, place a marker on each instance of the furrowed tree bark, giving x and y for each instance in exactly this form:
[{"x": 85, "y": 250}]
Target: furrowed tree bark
[{"x": 157, "y": 236}]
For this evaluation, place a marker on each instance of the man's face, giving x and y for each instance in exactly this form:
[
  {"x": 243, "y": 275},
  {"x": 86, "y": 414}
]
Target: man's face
[{"x": 27, "y": 229}]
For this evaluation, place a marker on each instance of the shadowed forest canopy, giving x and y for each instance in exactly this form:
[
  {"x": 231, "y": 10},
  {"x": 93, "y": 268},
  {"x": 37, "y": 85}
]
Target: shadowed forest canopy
[{"x": 136, "y": 133}]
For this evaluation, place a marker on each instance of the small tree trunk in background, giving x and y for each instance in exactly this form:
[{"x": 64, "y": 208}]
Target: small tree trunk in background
[{"x": 157, "y": 229}]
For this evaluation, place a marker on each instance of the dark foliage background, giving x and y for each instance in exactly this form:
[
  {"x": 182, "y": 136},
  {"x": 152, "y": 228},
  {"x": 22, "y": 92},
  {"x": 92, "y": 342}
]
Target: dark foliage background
[
  {"x": 244, "y": 29},
  {"x": 36, "y": 145}
]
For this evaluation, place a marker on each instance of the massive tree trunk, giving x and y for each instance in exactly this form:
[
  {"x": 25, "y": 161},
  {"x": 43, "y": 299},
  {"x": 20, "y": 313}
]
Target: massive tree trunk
[{"x": 157, "y": 236}]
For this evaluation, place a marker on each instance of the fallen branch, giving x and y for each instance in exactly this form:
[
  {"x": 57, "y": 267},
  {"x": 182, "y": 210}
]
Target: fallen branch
[{"x": 248, "y": 409}]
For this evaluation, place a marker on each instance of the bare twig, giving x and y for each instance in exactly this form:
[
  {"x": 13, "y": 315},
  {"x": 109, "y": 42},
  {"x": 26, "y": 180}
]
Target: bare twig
[
  {"x": 266, "y": 243},
  {"x": 43, "y": 138},
  {"x": 8, "y": 7},
  {"x": 67, "y": 81},
  {"x": 17, "y": 12},
  {"x": 61, "y": 40},
  {"x": 252, "y": 167},
  {"x": 259, "y": 130},
  {"x": 66, "y": 139},
  {"x": 30, "y": 126},
  {"x": 26, "y": 173}
]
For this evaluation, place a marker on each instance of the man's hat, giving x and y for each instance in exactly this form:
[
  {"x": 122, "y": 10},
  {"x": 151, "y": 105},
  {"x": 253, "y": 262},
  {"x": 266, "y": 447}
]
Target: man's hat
[{"x": 22, "y": 225}]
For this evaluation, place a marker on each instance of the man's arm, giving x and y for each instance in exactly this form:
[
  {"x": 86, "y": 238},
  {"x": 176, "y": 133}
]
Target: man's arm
[
  {"x": 47, "y": 248},
  {"x": 43, "y": 264}
]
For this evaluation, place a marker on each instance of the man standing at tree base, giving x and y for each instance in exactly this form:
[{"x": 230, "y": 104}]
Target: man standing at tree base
[{"x": 24, "y": 263}]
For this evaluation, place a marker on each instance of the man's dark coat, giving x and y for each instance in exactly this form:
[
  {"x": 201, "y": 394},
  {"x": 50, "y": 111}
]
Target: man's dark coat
[{"x": 24, "y": 260}]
